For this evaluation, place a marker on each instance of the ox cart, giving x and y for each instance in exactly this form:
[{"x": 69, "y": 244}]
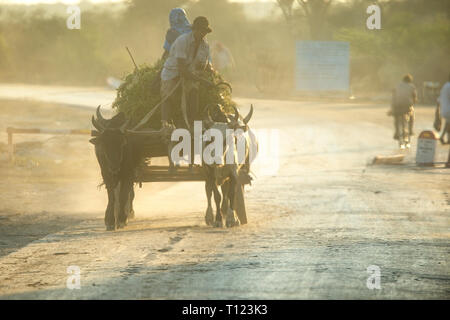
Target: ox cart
[
  {"x": 138, "y": 149},
  {"x": 125, "y": 157}
]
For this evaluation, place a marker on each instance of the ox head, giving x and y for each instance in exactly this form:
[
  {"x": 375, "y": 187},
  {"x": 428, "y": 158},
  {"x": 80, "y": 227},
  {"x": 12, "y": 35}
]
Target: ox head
[
  {"x": 238, "y": 122},
  {"x": 110, "y": 139},
  {"x": 215, "y": 113},
  {"x": 217, "y": 119}
]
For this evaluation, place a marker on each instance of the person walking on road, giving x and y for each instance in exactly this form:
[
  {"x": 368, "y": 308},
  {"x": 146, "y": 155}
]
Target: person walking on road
[{"x": 444, "y": 105}]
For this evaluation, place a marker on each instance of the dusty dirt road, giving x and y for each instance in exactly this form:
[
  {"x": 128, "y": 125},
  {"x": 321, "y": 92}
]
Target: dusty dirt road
[{"x": 315, "y": 226}]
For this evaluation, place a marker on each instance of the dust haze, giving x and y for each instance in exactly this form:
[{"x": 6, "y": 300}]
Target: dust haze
[
  {"x": 36, "y": 46},
  {"x": 315, "y": 225}
]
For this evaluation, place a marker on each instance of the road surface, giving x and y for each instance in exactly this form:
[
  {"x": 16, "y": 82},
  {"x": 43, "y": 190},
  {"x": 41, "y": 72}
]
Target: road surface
[{"x": 315, "y": 225}]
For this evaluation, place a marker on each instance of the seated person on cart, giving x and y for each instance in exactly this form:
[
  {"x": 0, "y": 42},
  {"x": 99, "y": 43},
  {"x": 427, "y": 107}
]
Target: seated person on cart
[
  {"x": 179, "y": 24},
  {"x": 188, "y": 55}
]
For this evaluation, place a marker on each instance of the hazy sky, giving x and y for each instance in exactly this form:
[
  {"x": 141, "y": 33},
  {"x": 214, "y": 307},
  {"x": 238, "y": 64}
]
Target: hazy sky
[
  {"x": 52, "y": 1},
  {"x": 93, "y": 1}
]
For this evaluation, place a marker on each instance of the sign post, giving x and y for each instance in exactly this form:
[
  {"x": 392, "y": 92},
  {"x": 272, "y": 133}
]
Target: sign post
[
  {"x": 426, "y": 148},
  {"x": 322, "y": 66}
]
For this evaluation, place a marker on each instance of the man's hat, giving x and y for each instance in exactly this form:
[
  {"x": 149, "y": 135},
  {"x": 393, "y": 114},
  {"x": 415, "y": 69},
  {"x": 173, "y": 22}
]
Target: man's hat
[{"x": 201, "y": 23}]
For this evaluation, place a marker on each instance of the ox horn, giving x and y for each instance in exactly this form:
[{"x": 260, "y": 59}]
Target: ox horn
[
  {"x": 249, "y": 115},
  {"x": 99, "y": 115},
  {"x": 97, "y": 125},
  {"x": 236, "y": 114},
  {"x": 208, "y": 115}
]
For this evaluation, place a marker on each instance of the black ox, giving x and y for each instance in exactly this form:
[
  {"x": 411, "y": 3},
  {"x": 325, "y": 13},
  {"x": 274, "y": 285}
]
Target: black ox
[{"x": 118, "y": 155}]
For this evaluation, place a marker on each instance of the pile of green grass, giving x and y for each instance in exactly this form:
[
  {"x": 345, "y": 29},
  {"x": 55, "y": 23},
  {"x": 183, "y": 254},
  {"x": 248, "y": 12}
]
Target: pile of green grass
[{"x": 139, "y": 93}]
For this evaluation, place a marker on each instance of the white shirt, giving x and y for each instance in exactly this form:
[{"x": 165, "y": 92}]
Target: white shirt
[
  {"x": 444, "y": 100},
  {"x": 183, "y": 48},
  {"x": 222, "y": 58}
]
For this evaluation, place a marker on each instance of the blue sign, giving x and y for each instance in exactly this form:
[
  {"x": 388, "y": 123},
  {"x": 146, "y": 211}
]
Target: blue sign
[{"x": 322, "y": 66}]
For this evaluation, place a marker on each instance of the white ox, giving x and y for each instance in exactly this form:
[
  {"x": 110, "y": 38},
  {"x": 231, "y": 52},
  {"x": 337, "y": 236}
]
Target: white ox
[{"x": 233, "y": 170}]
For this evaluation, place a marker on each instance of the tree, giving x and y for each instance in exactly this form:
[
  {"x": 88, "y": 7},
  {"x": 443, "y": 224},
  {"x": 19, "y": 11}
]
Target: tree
[
  {"x": 315, "y": 12},
  {"x": 287, "y": 7}
]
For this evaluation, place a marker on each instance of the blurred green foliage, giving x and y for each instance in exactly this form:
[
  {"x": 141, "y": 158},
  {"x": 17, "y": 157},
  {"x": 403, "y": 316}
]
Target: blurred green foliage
[
  {"x": 414, "y": 38},
  {"x": 137, "y": 95}
]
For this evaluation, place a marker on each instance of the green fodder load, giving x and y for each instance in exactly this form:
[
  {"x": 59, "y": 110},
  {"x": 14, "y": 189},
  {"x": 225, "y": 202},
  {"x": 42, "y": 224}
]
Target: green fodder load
[{"x": 139, "y": 93}]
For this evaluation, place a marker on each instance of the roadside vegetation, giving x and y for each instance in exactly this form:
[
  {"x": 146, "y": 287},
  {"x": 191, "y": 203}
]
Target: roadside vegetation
[{"x": 37, "y": 47}]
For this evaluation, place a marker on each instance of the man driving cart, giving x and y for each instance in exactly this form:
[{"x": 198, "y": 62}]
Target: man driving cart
[{"x": 188, "y": 55}]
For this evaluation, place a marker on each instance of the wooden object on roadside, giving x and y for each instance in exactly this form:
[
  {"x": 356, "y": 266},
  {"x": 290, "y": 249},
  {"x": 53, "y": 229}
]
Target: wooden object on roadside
[
  {"x": 10, "y": 131},
  {"x": 394, "y": 159}
]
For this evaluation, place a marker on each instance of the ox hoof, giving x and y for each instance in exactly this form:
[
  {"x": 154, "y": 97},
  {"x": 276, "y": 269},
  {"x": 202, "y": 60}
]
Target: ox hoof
[
  {"x": 209, "y": 218},
  {"x": 218, "y": 224},
  {"x": 122, "y": 224},
  {"x": 110, "y": 228},
  {"x": 232, "y": 219}
]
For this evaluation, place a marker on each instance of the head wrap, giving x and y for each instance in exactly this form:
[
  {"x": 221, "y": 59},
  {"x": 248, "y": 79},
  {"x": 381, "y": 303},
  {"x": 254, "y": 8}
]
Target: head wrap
[
  {"x": 179, "y": 21},
  {"x": 179, "y": 24}
]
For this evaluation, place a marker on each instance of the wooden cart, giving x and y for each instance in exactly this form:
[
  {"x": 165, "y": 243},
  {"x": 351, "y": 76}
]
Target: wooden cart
[{"x": 147, "y": 172}]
